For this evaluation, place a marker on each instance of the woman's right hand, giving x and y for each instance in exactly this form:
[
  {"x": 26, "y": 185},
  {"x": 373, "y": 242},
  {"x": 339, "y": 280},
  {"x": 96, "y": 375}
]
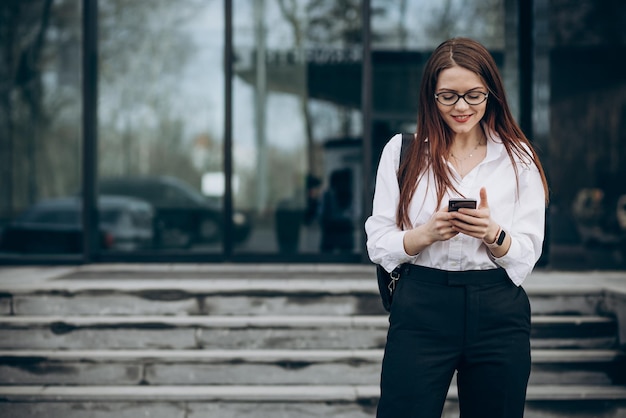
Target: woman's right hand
[{"x": 438, "y": 228}]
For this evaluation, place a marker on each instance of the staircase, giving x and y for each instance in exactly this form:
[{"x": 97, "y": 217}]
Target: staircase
[{"x": 191, "y": 341}]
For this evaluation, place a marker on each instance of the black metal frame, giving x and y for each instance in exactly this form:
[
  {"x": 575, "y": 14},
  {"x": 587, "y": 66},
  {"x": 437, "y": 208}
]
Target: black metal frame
[
  {"x": 227, "y": 241},
  {"x": 366, "y": 110},
  {"x": 90, "y": 129},
  {"x": 526, "y": 53}
]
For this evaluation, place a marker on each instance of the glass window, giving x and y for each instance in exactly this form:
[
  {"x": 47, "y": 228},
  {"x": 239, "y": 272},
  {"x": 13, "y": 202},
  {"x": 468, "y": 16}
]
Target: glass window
[
  {"x": 585, "y": 123},
  {"x": 298, "y": 125},
  {"x": 40, "y": 124},
  {"x": 405, "y": 33},
  {"x": 297, "y": 122},
  {"x": 161, "y": 113}
]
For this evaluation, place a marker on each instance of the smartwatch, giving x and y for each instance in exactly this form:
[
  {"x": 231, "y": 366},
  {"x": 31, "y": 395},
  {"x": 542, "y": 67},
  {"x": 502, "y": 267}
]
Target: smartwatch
[{"x": 499, "y": 239}]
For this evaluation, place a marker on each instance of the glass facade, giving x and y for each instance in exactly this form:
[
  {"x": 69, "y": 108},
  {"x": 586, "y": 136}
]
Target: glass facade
[
  {"x": 404, "y": 33},
  {"x": 297, "y": 126},
  {"x": 585, "y": 140},
  {"x": 40, "y": 128},
  {"x": 271, "y": 153},
  {"x": 160, "y": 120}
]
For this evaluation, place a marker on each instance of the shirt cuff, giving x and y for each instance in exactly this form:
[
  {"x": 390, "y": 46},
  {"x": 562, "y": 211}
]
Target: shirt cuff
[
  {"x": 397, "y": 255},
  {"x": 510, "y": 260}
]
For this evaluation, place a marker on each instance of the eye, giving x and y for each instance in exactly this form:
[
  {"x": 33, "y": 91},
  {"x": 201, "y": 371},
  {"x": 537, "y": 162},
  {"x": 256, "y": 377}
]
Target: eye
[
  {"x": 474, "y": 96},
  {"x": 448, "y": 96}
]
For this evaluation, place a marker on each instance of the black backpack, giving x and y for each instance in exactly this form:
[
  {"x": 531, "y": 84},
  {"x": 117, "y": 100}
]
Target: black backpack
[{"x": 387, "y": 281}]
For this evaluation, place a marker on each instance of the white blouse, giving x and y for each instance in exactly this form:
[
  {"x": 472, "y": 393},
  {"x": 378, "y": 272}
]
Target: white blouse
[{"x": 521, "y": 213}]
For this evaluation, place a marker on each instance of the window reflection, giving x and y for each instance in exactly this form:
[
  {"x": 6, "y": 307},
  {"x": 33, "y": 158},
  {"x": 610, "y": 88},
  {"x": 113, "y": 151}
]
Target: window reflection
[
  {"x": 183, "y": 216},
  {"x": 424, "y": 24},
  {"x": 585, "y": 90},
  {"x": 40, "y": 111},
  {"x": 161, "y": 116},
  {"x": 297, "y": 94},
  {"x": 54, "y": 226},
  {"x": 297, "y": 119}
]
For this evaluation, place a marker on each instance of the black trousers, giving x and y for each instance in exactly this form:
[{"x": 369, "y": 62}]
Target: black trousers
[{"x": 476, "y": 323}]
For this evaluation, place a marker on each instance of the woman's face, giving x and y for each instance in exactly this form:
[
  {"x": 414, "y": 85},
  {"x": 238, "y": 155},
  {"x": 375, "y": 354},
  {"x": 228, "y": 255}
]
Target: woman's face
[{"x": 461, "y": 117}]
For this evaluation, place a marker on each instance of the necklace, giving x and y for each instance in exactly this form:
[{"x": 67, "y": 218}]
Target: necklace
[
  {"x": 460, "y": 161},
  {"x": 471, "y": 154}
]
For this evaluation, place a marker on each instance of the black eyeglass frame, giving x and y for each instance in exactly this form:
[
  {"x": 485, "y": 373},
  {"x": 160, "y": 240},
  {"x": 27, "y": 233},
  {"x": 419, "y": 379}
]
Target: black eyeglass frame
[{"x": 462, "y": 96}]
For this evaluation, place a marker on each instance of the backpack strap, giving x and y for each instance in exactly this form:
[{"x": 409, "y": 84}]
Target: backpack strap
[
  {"x": 406, "y": 141},
  {"x": 387, "y": 281}
]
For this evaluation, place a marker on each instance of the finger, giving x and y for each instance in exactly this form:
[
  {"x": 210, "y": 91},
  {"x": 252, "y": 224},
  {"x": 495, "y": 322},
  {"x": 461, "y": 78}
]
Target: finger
[{"x": 483, "y": 198}]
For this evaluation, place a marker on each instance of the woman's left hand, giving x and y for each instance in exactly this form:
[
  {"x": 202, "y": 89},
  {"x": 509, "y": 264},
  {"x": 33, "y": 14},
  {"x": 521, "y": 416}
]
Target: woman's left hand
[{"x": 477, "y": 222}]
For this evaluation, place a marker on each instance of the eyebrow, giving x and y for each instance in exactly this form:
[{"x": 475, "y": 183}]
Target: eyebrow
[{"x": 481, "y": 89}]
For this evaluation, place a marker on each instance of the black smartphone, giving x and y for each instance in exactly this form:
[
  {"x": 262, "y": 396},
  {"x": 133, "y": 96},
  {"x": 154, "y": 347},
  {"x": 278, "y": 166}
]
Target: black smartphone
[{"x": 455, "y": 204}]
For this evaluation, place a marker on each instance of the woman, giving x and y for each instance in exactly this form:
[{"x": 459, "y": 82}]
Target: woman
[{"x": 458, "y": 305}]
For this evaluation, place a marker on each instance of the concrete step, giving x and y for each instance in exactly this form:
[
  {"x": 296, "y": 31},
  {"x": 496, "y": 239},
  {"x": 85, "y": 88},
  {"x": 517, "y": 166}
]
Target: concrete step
[
  {"x": 231, "y": 293},
  {"x": 259, "y": 332},
  {"x": 288, "y": 401},
  {"x": 191, "y": 341},
  {"x": 260, "y": 367}
]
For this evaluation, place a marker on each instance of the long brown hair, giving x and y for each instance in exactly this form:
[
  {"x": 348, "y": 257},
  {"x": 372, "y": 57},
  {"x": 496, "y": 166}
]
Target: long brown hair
[{"x": 434, "y": 137}]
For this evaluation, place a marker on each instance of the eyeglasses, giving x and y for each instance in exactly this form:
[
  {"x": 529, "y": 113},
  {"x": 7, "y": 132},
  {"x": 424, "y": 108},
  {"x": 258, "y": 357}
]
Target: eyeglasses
[{"x": 472, "y": 98}]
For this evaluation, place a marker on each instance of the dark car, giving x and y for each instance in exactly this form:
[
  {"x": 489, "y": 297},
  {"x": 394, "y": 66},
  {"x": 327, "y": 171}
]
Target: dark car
[
  {"x": 184, "y": 216},
  {"x": 55, "y": 226}
]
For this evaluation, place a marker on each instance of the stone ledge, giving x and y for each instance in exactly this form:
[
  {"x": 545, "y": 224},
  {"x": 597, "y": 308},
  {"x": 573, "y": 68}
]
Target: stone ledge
[
  {"x": 271, "y": 287},
  {"x": 271, "y": 393},
  {"x": 314, "y": 276},
  {"x": 274, "y": 355},
  {"x": 234, "y": 322}
]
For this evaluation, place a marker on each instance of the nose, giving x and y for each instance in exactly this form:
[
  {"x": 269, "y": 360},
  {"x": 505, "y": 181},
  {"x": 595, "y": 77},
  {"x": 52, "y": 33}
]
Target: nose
[{"x": 461, "y": 104}]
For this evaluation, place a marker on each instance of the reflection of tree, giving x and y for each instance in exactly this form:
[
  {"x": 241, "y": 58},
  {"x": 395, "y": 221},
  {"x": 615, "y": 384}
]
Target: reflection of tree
[
  {"x": 27, "y": 109},
  {"x": 335, "y": 23},
  {"x": 143, "y": 53},
  {"x": 322, "y": 24},
  {"x": 481, "y": 19},
  {"x": 313, "y": 25},
  {"x": 290, "y": 11},
  {"x": 142, "y": 56}
]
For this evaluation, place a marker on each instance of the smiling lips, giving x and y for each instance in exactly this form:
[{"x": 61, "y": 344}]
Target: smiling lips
[{"x": 461, "y": 118}]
